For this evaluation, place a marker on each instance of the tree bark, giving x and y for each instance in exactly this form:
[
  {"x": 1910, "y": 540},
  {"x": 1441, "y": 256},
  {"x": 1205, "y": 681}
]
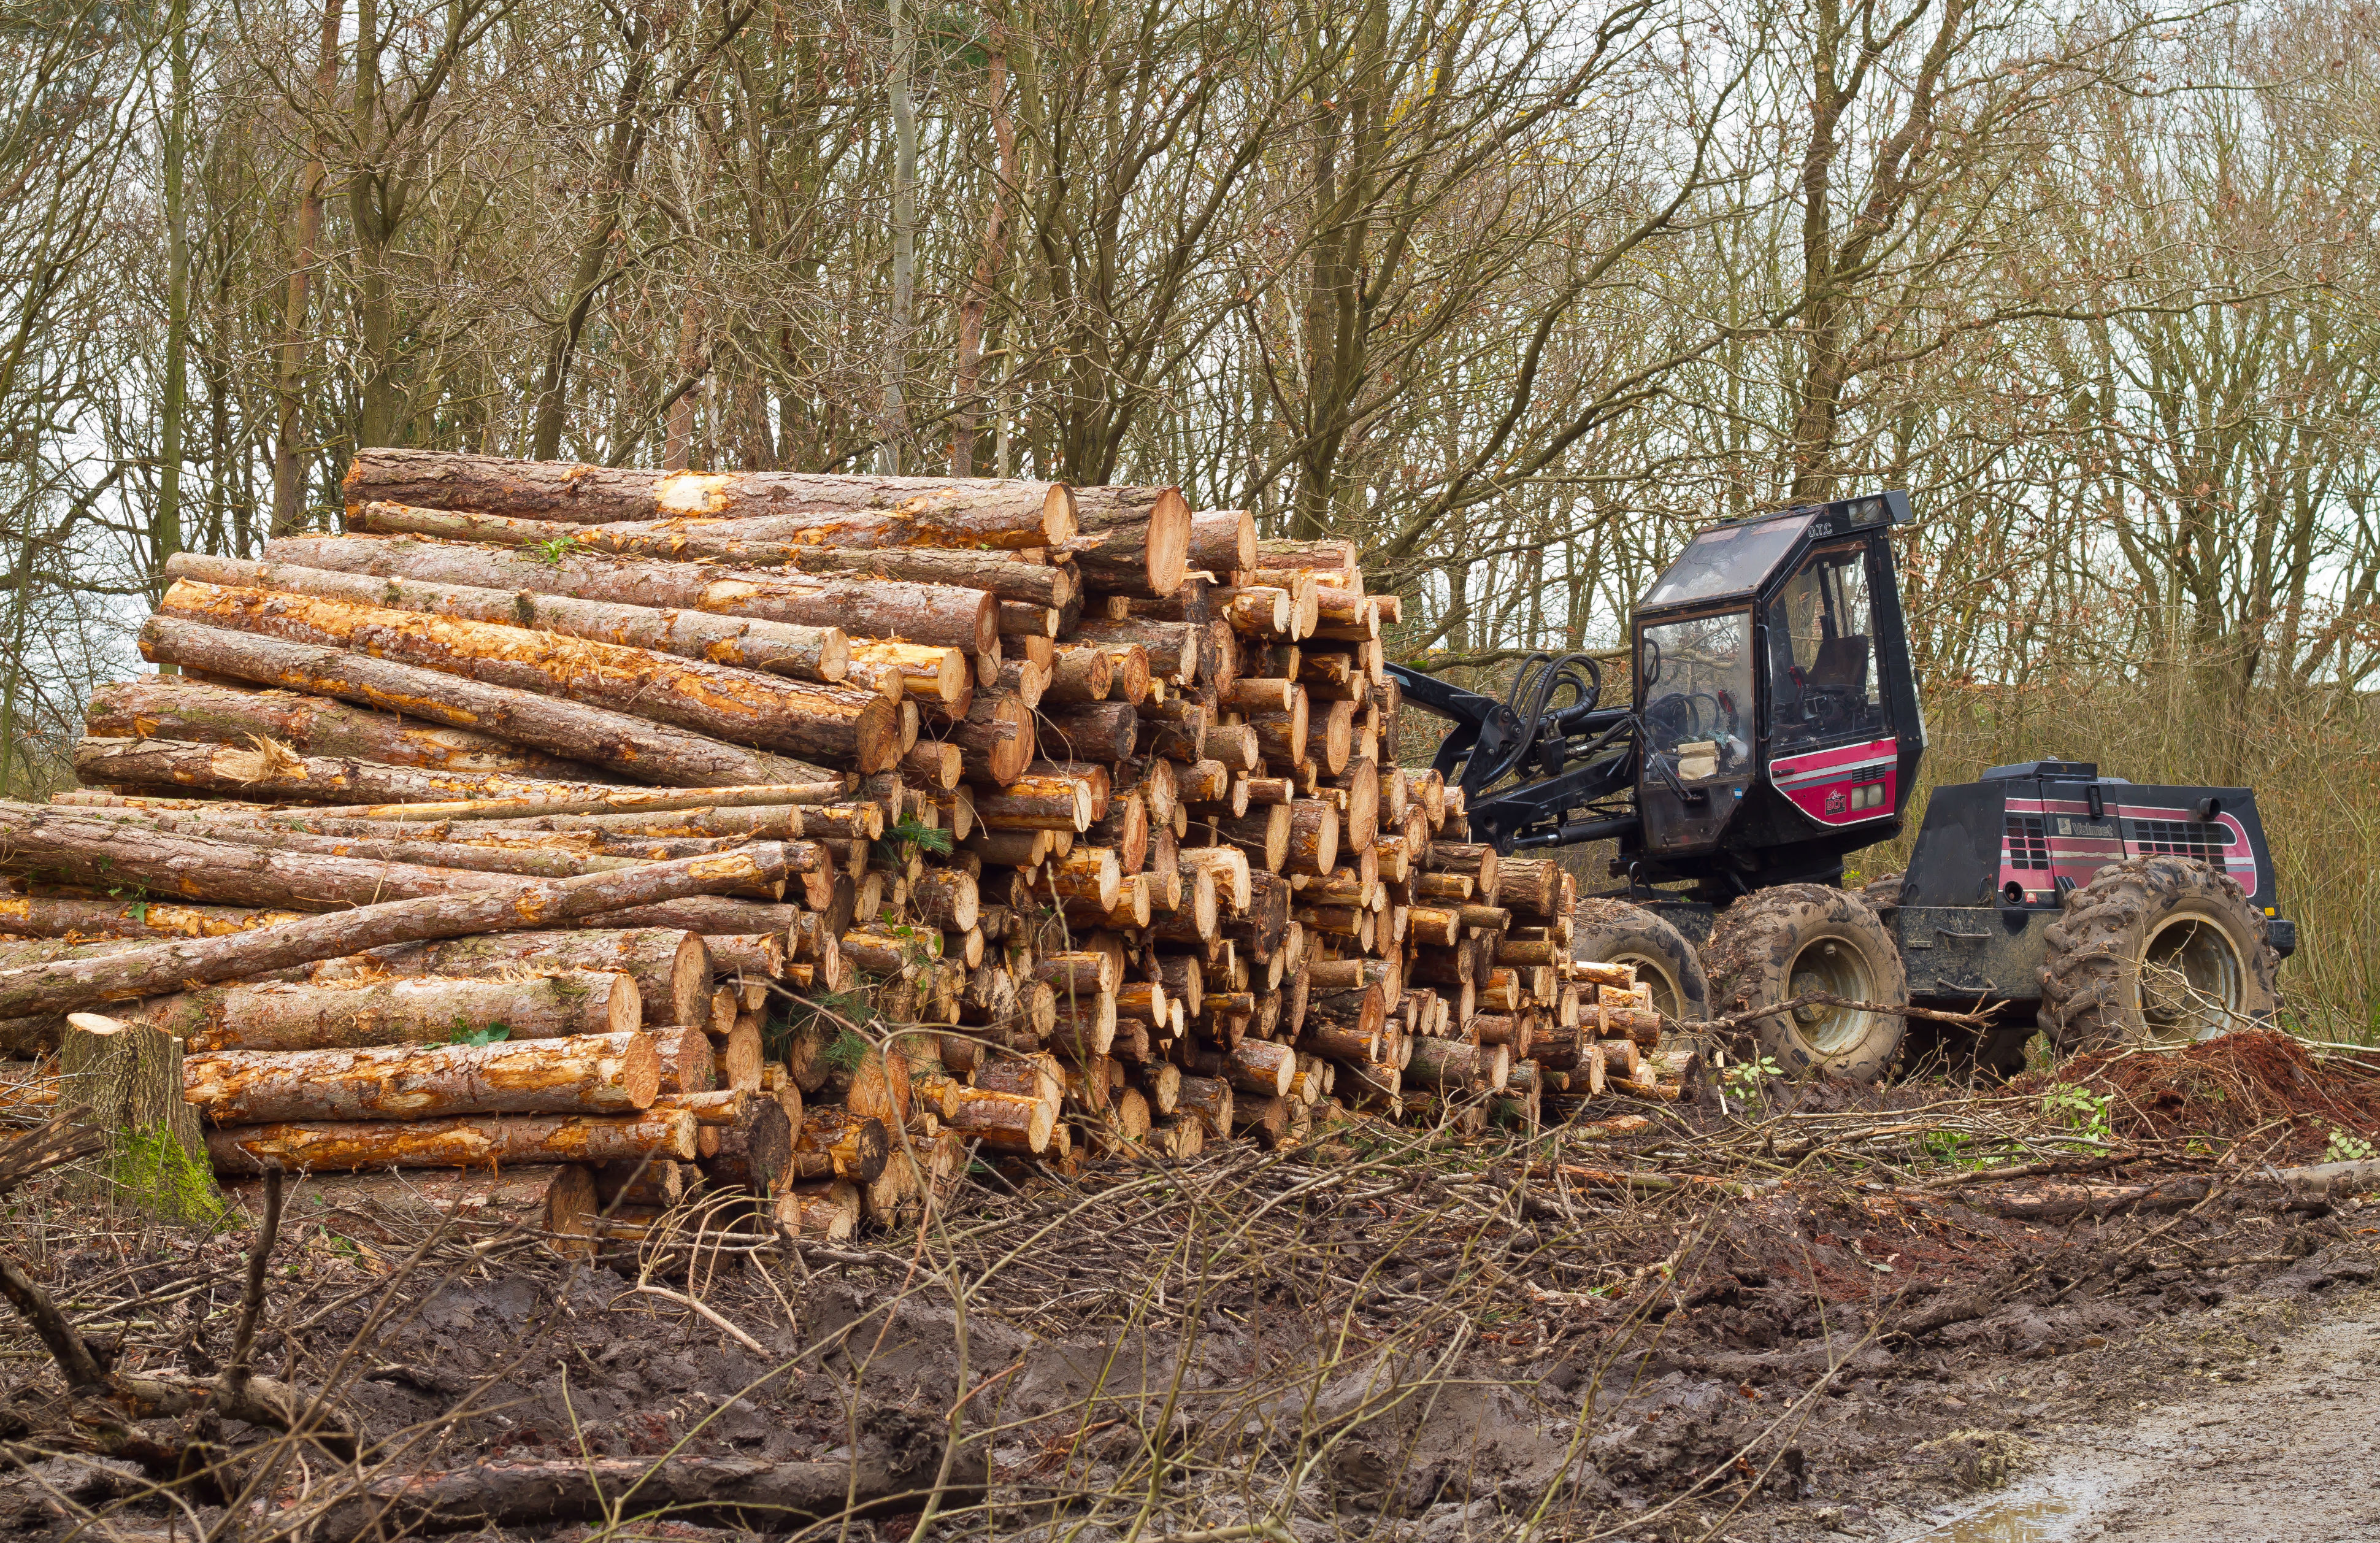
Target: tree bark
[
  {"x": 743, "y": 706},
  {"x": 1006, "y": 1121},
  {"x": 997, "y": 735},
  {"x": 921, "y": 511},
  {"x": 928, "y": 606},
  {"x": 1036, "y": 803},
  {"x": 75, "y": 983},
  {"x": 671, "y": 967},
  {"x": 175, "y": 707},
  {"x": 1222, "y": 541},
  {"x": 799, "y": 652},
  {"x": 340, "y": 1146},
  {"x": 430, "y": 1010},
  {"x": 632, "y": 746},
  {"x": 1102, "y": 731},
  {"x": 590, "y": 1074}
]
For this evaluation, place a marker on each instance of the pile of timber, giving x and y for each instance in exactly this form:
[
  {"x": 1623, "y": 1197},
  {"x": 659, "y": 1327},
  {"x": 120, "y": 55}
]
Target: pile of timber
[{"x": 589, "y": 827}]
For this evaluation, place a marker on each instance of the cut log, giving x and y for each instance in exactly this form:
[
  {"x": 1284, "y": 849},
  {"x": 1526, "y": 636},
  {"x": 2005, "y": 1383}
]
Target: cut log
[
  {"x": 1222, "y": 541},
  {"x": 1056, "y": 802},
  {"x": 431, "y": 1010},
  {"x": 593, "y": 1074},
  {"x": 934, "y": 675},
  {"x": 657, "y": 1182},
  {"x": 745, "y": 705},
  {"x": 997, "y": 737},
  {"x": 1209, "y": 1100},
  {"x": 71, "y": 984},
  {"x": 800, "y": 652},
  {"x": 898, "y": 511},
  {"x": 633, "y": 746},
  {"x": 1174, "y": 649},
  {"x": 1135, "y": 540},
  {"x": 1006, "y": 1121},
  {"x": 175, "y": 707},
  {"x": 40, "y": 918},
  {"x": 1102, "y": 731},
  {"x": 756, "y": 1152},
  {"x": 1083, "y": 672},
  {"x": 485, "y": 1142},
  {"x": 1264, "y": 835},
  {"x": 670, "y": 966},
  {"x": 919, "y": 607}
]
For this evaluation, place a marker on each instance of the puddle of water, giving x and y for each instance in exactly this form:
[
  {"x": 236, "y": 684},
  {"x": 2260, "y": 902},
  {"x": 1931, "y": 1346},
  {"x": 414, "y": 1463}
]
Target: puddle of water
[{"x": 2019, "y": 1519}]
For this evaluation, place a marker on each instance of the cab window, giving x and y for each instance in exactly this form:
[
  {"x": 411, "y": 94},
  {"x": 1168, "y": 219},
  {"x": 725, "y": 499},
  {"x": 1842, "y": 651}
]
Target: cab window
[
  {"x": 1822, "y": 677},
  {"x": 1694, "y": 689}
]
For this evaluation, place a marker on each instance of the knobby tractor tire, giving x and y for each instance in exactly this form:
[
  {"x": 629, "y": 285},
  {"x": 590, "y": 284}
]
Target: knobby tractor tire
[
  {"x": 2155, "y": 951},
  {"x": 1618, "y": 933},
  {"x": 1797, "y": 938}
]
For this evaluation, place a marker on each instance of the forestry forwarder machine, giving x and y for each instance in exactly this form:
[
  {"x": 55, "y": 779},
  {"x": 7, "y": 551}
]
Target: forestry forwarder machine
[{"x": 1775, "y": 728}]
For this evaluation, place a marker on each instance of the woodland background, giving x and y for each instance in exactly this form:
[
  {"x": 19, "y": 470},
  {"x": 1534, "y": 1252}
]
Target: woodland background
[{"x": 1513, "y": 292}]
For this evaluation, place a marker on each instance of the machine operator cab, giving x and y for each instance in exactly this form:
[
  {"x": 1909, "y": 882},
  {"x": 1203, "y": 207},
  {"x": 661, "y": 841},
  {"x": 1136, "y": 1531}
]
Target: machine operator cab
[{"x": 1780, "y": 717}]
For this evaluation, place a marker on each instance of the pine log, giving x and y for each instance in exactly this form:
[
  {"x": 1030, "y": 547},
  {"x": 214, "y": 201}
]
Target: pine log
[
  {"x": 997, "y": 735},
  {"x": 405, "y": 1011},
  {"x": 175, "y": 707},
  {"x": 483, "y": 1142},
  {"x": 593, "y": 1074},
  {"x": 1222, "y": 541},
  {"x": 1053, "y": 802},
  {"x": 1101, "y": 732},
  {"x": 40, "y": 918},
  {"x": 800, "y": 652},
  {"x": 1207, "y": 1099},
  {"x": 1174, "y": 649},
  {"x": 1265, "y": 836},
  {"x": 1005, "y": 576},
  {"x": 671, "y": 967},
  {"x": 923, "y": 511},
  {"x": 633, "y": 746},
  {"x": 932, "y": 674},
  {"x": 1007, "y": 1122},
  {"x": 756, "y": 1152},
  {"x": 1135, "y": 540},
  {"x": 1083, "y": 672},
  {"x": 71, "y": 984},
  {"x": 658, "y": 1181},
  {"x": 836, "y": 723},
  {"x": 919, "y": 607}
]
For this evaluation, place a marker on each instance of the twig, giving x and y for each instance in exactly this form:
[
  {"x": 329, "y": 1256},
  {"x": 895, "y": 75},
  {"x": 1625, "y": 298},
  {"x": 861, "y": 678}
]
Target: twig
[{"x": 708, "y": 1314}]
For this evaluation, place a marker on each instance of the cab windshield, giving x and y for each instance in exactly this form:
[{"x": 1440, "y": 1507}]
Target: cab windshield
[
  {"x": 1694, "y": 689},
  {"x": 1728, "y": 560}
]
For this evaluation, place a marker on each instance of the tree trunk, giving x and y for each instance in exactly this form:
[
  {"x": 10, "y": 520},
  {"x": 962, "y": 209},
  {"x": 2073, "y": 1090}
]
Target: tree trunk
[
  {"x": 1101, "y": 732},
  {"x": 75, "y": 983},
  {"x": 797, "y": 652},
  {"x": 1222, "y": 541},
  {"x": 430, "y": 1010},
  {"x": 933, "y": 605},
  {"x": 127, "y": 1080},
  {"x": 743, "y": 706},
  {"x": 592, "y": 1073},
  {"x": 632, "y": 746},
  {"x": 173, "y": 707},
  {"x": 340, "y": 1146},
  {"x": 815, "y": 509},
  {"x": 671, "y": 967},
  {"x": 1006, "y": 1121},
  {"x": 1036, "y": 803}
]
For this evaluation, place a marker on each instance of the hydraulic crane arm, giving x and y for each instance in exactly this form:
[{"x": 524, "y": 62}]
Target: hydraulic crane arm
[{"x": 1526, "y": 763}]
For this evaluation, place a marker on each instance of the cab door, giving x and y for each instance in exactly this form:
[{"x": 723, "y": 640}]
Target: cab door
[{"x": 1832, "y": 749}]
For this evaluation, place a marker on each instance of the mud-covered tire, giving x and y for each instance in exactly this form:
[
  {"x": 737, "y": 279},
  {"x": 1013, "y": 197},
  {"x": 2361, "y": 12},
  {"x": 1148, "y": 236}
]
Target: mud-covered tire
[
  {"x": 1777, "y": 945},
  {"x": 2155, "y": 951},
  {"x": 1616, "y": 932}
]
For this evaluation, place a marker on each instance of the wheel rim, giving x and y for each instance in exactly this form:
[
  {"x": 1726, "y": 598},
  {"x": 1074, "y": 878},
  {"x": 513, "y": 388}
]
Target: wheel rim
[
  {"x": 1653, "y": 971},
  {"x": 2190, "y": 982},
  {"x": 1831, "y": 967}
]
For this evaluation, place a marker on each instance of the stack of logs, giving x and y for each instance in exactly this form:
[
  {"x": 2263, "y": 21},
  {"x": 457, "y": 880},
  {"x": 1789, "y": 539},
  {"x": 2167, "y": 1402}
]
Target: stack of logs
[{"x": 584, "y": 826}]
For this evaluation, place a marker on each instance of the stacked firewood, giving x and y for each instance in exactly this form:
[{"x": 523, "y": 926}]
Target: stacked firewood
[{"x": 590, "y": 826}]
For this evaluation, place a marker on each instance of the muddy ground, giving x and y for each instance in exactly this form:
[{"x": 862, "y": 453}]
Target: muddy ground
[{"x": 1384, "y": 1336}]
